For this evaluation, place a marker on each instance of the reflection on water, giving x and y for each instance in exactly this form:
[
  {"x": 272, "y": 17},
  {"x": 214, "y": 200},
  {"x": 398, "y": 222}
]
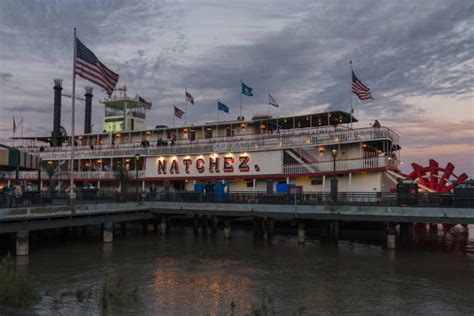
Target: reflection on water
[{"x": 183, "y": 274}]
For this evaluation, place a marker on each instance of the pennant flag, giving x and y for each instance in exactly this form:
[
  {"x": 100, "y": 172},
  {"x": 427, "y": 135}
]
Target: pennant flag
[
  {"x": 146, "y": 104},
  {"x": 222, "y": 107},
  {"x": 189, "y": 98},
  {"x": 14, "y": 125},
  {"x": 89, "y": 67},
  {"x": 178, "y": 112},
  {"x": 246, "y": 90},
  {"x": 272, "y": 101},
  {"x": 361, "y": 90}
]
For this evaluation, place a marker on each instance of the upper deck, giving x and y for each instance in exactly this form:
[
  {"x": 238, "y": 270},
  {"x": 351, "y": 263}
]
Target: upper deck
[
  {"x": 322, "y": 129},
  {"x": 281, "y": 140}
]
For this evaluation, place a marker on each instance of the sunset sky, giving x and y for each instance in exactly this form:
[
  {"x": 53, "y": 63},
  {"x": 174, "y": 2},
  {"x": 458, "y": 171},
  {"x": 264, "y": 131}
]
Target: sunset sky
[{"x": 416, "y": 56}]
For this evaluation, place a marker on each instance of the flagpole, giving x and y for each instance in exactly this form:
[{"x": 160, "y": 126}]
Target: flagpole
[
  {"x": 268, "y": 105},
  {"x": 350, "y": 91},
  {"x": 174, "y": 114},
  {"x": 72, "y": 195},
  {"x": 240, "y": 100},
  {"x": 185, "y": 107},
  {"x": 13, "y": 131},
  {"x": 217, "y": 129}
]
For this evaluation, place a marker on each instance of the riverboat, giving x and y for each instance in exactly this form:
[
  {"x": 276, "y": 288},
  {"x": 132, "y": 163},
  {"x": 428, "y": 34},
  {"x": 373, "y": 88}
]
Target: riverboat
[{"x": 253, "y": 155}]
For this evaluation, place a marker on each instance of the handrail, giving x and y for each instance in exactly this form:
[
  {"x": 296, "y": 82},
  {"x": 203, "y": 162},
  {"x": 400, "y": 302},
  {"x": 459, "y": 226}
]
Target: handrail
[
  {"x": 232, "y": 144},
  {"x": 341, "y": 165},
  {"x": 377, "y": 199}
]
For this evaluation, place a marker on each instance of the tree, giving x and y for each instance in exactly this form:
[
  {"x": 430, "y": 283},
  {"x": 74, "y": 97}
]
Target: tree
[
  {"x": 121, "y": 176},
  {"x": 50, "y": 169}
]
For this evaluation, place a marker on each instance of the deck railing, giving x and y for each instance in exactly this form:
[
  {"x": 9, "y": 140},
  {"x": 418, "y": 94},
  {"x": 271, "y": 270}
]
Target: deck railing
[
  {"x": 95, "y": 196},
  {"x": 341, "y": 165},
  {"x": 81, "y": 175},
  {"x": 283, "y": 139}
]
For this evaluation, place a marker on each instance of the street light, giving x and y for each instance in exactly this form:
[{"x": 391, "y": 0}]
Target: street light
[
  {"x": 334, "y": 179},
  {"x": 137, "y": 159}
]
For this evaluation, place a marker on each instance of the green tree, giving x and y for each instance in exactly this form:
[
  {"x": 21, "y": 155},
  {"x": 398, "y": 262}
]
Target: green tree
[
  {"x": 122, "y": 177},
  {"x": 50, "y": 169}
]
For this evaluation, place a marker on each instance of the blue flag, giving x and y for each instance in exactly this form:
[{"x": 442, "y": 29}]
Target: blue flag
[
  {"x": 222, "y": 107},
  {"x": 246, "y": 90}
]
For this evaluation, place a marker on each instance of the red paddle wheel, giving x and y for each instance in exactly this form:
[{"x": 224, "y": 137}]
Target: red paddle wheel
[{"x": 435, "y": 179}]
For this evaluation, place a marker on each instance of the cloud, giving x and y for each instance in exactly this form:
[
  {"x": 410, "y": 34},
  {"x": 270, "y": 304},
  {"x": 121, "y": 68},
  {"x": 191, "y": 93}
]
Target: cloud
[{"x": 5, "y": 76}]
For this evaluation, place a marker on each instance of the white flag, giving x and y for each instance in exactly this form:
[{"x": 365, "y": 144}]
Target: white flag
[{"x": 272, "y": 101}]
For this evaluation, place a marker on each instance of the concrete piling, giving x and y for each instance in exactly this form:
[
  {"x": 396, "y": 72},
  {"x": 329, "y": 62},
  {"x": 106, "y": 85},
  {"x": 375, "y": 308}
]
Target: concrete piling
[
  {"x": 108, "y": 232},
  {"x": 163, "y": 226},
  {"x": 330, "y": 232},
  {"x": 406, "y": 233},
  {"x": 204, "y": 224},
  {"x": 270, "y": 228},
  {"x": 391, "y": 240},
  {"x": 196, "y": 224},
  {"x": 22, "y": 243},
  {"x": 301, "y": 233},
  {"x": 215, "y": 224},
  {"x": 227, "y": 228},
  {"x": 334, "y": 232}
]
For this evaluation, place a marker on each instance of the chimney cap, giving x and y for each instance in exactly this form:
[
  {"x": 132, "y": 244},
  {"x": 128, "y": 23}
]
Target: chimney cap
[{"x": 58, "y": 82}]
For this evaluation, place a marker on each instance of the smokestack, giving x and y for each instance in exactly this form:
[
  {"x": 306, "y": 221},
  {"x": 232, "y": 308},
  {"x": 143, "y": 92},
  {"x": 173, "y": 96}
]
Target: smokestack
[
  {"x": 56, "y": 134},
  {"x": 87, "y": 119}
]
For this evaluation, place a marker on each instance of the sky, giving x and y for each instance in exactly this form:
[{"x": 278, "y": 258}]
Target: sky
[{"x": 416, "y": 56}]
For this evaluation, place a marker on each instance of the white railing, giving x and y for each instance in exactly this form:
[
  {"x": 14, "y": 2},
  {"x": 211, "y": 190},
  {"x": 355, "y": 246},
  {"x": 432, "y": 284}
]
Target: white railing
[
  {"x": 82, "y": 175},
  {"x": 284, "y": 139},
  {"x": 341, "y": 165}
]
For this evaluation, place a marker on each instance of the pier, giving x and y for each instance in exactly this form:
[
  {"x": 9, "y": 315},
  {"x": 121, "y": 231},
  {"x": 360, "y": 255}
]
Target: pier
[{"x": 52, "y": 212}]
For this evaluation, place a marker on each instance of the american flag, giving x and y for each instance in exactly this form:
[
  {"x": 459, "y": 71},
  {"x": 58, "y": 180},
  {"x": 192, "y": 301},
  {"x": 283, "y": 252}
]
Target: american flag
[
  {"x": 189, "y": 98},
  {"x": 178, "y": 112},
  {"x": 89, "y": 67},
  {"x": 146, "y": 104},
  {"x": 360, "y": 89}
]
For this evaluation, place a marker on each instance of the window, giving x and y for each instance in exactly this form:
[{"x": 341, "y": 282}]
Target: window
[
  {"x": 317, "y": 181},
  {"x": 249, "y": 183}
]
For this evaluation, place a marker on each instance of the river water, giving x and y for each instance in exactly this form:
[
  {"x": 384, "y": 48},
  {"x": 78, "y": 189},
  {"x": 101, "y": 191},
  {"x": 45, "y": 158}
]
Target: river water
[{"x": 183, "y": 274}]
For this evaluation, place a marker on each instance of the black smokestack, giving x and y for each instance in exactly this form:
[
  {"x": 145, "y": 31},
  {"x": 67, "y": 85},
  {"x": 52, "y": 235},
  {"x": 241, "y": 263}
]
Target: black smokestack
[
  {"x": 56, "y": 134},
  {"x": 87, "y": 119}
]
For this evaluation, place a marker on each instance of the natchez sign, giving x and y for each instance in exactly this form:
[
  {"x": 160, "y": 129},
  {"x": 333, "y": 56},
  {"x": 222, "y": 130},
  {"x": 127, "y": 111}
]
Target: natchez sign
[{"x": 211, "y": 165}]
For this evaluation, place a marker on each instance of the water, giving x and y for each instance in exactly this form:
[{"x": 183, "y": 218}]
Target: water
[{"x": 180, "y": 274}]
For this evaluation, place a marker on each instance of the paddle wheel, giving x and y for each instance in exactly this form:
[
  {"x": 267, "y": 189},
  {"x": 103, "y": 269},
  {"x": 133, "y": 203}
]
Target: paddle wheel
[{"x": 435, "y": 179}]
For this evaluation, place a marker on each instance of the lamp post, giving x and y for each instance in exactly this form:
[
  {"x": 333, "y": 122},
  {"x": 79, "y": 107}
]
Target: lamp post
[
  {"x": 137, "y": 159},
  {"x": 334, "y": 179}
]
